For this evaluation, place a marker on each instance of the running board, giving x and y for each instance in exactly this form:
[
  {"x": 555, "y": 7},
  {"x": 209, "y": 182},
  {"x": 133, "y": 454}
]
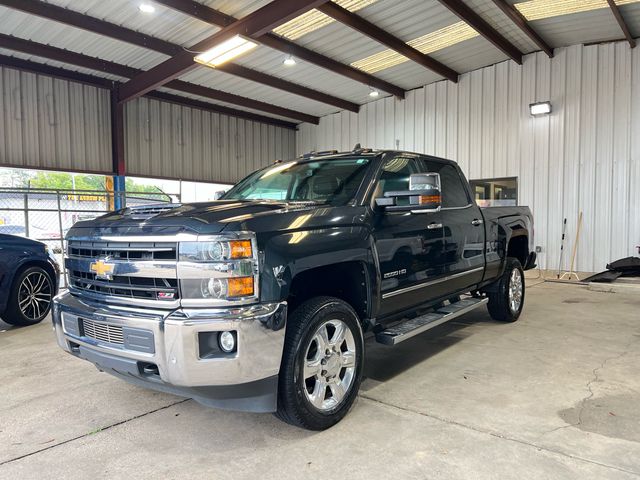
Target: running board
[{"x": 410, "y": 328}]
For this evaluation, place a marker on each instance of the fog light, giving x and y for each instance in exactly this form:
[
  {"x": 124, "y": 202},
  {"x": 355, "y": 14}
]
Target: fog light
[{"x": 227, "y": 341}]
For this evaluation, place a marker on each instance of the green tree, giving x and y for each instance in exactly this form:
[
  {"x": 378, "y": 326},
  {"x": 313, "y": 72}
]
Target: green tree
[{"x": 66, "y": 181}]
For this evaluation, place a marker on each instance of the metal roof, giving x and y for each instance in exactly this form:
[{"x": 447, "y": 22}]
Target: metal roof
[{"x": 405, "y": 19}]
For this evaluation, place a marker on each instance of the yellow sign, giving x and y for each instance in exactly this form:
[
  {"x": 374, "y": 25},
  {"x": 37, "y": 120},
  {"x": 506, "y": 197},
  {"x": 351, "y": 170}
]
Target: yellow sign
[{"x": 102, "y": 269}]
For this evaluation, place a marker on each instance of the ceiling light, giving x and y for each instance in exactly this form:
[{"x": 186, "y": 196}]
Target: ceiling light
[
  {"x": 374, "y": 93},
  {"x": 289, "y": 61},
  {"x": 225, "y": 51},
  {"x": 538, "y": 9},
  {"x": 146, "y": 8},
  {"x": 313, "y": 19},
  {"x": 431, "y": 42},
  {"x": 540, "y": 108}
]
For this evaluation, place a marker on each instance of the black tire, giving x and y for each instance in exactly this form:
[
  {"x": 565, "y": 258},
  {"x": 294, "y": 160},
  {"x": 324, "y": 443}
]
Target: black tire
[
  {"x": 34, "y": 311},
  {"x": 500, "y": 305},
  {"x": 294, "y": 405}
]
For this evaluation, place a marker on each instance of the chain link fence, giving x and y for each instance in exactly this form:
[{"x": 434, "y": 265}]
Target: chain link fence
[{"x": 46, "y": 215}]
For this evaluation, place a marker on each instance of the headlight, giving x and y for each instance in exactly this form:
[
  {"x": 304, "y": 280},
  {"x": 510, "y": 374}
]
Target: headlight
[
  {"x": 218, "y": 271},
  {"x": 215, "y": 251}
]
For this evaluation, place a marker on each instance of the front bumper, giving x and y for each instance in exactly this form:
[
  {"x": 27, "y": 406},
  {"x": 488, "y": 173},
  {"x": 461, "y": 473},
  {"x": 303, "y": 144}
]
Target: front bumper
[{"x": 161, "y": 350}]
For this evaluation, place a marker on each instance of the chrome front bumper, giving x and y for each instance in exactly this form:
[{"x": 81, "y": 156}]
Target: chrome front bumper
[{"x": 161, "y": 349}]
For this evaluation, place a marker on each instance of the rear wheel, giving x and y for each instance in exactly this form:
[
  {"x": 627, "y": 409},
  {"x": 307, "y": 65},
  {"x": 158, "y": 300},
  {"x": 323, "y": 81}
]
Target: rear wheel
[
  {"x": 322, "y": 364},
  {"x": 507, "y": 299},
  {"x": 30, "y": 297}
]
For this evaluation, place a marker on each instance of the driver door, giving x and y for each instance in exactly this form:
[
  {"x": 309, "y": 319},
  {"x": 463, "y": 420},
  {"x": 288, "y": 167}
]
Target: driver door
[{"x": 409, "y": 245}]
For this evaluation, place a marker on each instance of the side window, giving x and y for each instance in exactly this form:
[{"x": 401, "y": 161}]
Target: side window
[
  {"x": 395, "y": 176},
  {"x": 396, "y": 172},
  {"x": 454, "y": 193}
]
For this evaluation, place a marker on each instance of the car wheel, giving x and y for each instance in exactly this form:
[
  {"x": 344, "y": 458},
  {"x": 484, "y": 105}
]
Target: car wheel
[
  {"x": 30, "y": 297},
  {"x": 507, "y": 299},
  {"x": 322, "y": 364}
]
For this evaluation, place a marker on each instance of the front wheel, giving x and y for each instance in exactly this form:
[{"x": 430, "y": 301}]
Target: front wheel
[
  {"x": 321, "y": 365},
  {"x": 30, "y": 297},
  {"x": 507, "y": 299}
]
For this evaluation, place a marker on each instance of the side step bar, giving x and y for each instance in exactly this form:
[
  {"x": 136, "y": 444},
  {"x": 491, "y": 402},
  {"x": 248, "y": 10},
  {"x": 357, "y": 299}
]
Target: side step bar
[{"x": 410, "y": 328}]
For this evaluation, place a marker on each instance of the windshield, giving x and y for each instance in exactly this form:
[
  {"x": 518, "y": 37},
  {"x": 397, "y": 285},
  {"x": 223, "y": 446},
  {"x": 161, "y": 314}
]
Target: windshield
[{"x": 323, "y": 181}]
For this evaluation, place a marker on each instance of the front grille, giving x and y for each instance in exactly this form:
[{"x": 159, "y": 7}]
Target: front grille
[
  {"x": 102, "y": 332},
  {"x": 139, "y": 271},
  {"x": 124, "y": 250},
  {"x": 121, "y": 286}
]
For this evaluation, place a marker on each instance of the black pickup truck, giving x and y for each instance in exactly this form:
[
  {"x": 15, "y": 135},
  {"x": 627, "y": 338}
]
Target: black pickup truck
[{"x": 261, "y": 301}]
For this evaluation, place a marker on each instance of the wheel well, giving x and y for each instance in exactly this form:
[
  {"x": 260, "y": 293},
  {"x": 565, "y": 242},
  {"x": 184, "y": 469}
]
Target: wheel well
[
  {"x": 36, "y": 263},
  {"x": 347, "y": 281},
  {"x": 519, "y": 248}
]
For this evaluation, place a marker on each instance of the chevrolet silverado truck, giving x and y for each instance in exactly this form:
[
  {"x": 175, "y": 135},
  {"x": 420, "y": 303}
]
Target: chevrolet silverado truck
[{"x": 261, "y": 301}]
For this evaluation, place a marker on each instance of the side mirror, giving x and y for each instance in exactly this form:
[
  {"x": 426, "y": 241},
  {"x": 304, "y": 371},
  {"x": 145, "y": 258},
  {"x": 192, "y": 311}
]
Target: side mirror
[
  {"x": 423, "y": 196},
  {"x": 218, "y": 194}
]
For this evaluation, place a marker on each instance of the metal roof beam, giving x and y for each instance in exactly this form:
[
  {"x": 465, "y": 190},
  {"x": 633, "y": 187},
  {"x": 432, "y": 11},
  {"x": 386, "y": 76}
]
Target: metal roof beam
[
  {"x": 74, "y": 19},
  {"x": 101, "y": 82},
  {"x": 376, "y": 33},
  {"x": 256, "y": 23},
  {"x": 288, "y": 47},
  {"x": 623, "y": 25},
  {"x": 476, "y": 22},
  {"x": 521, "y": 22},
  {"x": 113, "y": 68},
  {"x": 287, "y": 86},
  {"x": 62, "y": 73},
  {"x": 91, "y": 24},
  {"x": 209, "y": 15}
]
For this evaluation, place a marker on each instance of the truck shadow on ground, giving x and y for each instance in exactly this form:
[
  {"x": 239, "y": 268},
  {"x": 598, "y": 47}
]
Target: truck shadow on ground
[{"x": 383, "y": 363}]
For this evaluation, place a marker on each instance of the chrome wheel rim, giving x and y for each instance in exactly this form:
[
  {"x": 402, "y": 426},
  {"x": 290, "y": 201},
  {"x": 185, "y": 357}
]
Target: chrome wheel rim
[
  {"x": 515, "y": 290},
  {"x": 329, "y": 366},
  {"x": 34, "y": 295}
]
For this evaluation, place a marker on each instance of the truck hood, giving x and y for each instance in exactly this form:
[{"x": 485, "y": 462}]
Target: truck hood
[{"x": 196, "y": 218}]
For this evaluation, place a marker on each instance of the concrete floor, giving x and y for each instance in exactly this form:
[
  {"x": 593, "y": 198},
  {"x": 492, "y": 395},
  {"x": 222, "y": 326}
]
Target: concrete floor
[{"x": 556, "y": 395}]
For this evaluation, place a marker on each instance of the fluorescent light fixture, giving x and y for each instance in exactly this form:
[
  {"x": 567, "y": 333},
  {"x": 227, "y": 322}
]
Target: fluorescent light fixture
[
  {"x": 313, "y": 19},
  {"x": 540, "y": 108},
  {"x": 538, "y": 9},
  {"x": 289, "y": 61},
  {"x": 431, "y": 42},
  {"x": 225, "y": 51},
  {"x": 374, "y": 93},
  {"x": 146, "y": 8}
]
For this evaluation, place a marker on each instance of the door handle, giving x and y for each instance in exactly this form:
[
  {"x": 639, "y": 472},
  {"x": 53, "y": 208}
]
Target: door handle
[
  {"x": 433, "y": 226},
  {"x": 476, "y": 221}
]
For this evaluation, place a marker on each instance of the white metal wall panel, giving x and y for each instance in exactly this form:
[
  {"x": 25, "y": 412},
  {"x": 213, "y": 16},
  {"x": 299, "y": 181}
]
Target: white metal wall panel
[
  {"x": 56, "y": 124},
  {"x": 166, "y": 140},
  {"x": 584, "y": 157},
  {"x": 52, "y": 123}
]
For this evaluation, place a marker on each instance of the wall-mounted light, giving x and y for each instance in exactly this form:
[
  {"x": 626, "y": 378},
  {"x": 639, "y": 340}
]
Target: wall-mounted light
[
  {"x": 374, "y": 93},
  {"x": 289, "y": 61},
  {"x": 146, "y": 8},
  {"x": 540, "y": 108},
  {"x": 225, "y": 51}
]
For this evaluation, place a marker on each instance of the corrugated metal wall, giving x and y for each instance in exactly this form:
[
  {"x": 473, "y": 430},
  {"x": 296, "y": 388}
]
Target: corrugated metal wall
[
  {"x": 583, "y": 157},
  {"x": 61, "y": 125},
  {"x": 179, "y": 142},
  {"x": 51, "y": 123}
]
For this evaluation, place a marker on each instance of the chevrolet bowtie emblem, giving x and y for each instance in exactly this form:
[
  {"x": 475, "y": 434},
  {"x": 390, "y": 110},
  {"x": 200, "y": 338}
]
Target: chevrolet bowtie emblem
[{"x": 102, "y": 270}]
